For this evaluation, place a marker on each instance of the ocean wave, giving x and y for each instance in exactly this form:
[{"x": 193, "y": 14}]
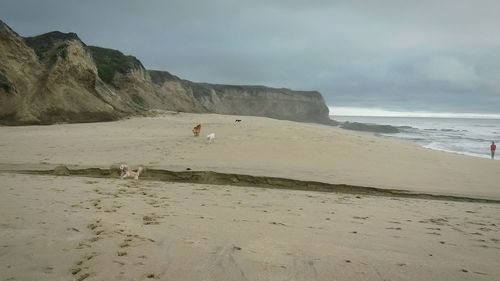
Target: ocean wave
[
  {"x": 452, "y": 130},
  {"x": 468, "y": 153},
  {"x": 462, "y": 136}
]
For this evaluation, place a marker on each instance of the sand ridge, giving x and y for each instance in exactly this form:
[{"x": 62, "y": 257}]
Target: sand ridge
[{"x": 217, "y": 178}]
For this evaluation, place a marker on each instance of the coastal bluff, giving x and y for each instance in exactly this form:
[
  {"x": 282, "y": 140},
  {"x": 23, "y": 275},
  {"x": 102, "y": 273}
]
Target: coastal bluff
[{"x": 57, "y": 78}]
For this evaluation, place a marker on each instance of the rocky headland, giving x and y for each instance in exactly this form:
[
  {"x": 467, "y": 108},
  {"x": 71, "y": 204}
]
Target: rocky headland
[{"x": 57, "y": 78}]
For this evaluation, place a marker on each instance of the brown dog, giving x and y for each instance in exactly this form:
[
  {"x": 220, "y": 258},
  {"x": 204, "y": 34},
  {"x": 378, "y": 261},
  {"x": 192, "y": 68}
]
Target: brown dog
[{"x": 197, "y": 130}]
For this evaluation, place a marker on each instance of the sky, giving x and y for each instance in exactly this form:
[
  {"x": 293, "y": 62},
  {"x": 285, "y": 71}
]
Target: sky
[{"x": 394, "y": 55}]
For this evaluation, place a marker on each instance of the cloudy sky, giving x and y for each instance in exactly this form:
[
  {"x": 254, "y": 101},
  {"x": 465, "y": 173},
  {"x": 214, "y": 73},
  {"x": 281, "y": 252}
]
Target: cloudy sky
[{"x": 437, "y": 56}]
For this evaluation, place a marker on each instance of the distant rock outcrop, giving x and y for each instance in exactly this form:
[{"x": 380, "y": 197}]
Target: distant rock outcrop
[
  {"x": 374, "y": 128},
  {"x": 55, "y": 77}
]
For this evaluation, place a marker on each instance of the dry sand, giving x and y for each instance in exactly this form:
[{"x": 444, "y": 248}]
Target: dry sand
[
  {"x": 76, "y": 228},
  {"x": 256, "y": 146},
  {"x": 110, "y": 229}
]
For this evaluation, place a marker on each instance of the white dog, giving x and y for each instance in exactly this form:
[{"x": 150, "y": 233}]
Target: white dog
[
  {"x": 210, "y": 137},
  {"x": 125, "y": 172}
]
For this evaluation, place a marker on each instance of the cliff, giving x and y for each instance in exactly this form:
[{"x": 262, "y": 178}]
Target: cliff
[
  {"x": 56, "y": 77},
  {"x": 303, "y": 106}
]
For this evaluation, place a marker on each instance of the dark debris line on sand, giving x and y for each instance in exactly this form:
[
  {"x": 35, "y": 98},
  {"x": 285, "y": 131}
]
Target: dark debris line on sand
[{"x": 216, "y": 178}]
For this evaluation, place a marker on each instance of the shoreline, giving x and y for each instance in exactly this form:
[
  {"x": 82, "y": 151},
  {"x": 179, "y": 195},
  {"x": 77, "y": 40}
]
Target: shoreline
[{"x": 418, "y": 132}]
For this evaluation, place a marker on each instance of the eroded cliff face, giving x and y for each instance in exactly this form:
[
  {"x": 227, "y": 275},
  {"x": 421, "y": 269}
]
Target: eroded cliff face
[
  {"x": 303, "y": 106},
  {"x": 19, "y": 72},
  {"x": 55, "y": 77}
]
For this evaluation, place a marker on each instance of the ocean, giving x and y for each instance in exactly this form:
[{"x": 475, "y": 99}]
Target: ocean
[{"x": 468, "y": 136}]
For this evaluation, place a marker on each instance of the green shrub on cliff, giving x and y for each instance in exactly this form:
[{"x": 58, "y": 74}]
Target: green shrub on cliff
[
  {"x": 110, "y": 61},
  {"x": 5, "y": 84},
  {"x": 43, "y": 44}
]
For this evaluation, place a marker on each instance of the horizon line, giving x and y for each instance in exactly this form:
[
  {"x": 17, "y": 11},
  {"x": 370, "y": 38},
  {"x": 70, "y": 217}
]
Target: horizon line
[{"x": 379, "y": 112}]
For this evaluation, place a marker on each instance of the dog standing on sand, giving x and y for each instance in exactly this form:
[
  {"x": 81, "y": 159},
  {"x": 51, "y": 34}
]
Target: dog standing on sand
[
  {"x": 197, "y": 130},
  {"x": 125, "y": 172},
  {"x": 210, "y": 137}
]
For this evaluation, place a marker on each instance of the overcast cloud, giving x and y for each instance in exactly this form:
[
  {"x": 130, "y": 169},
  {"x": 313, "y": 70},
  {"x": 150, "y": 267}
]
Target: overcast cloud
[{"x": 399, "y": 55}]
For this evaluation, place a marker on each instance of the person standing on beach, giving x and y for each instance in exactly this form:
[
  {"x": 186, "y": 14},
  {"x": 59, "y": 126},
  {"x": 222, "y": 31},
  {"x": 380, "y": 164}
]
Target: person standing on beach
[{"x": 493, "y": 147}]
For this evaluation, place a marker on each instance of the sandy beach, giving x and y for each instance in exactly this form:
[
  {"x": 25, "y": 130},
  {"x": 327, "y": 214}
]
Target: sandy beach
[
  {"x": 85, "y": 228},
  {"x": 256, "y": 146}
]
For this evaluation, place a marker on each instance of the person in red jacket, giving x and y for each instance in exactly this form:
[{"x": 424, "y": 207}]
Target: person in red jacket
[{"x": 493, "y": 147}]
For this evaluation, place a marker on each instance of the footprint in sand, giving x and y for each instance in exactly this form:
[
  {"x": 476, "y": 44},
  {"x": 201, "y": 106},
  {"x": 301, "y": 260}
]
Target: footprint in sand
[
  {"x": 433, "y": 228},
  {"x": 150, "y": 219},
  {"x": 438, "y": 221},
  {"x": 360, "y": 218},
  {"x": 154, "y": 203},
  {"x": 82, "y": 277},
  {"x": 315, "y": 227},
  {"x": 94, "y": 239},
  {"x": 485, "y": 229},
  {"x": 75, "y": 271},
  {"x": 80, "y": 266},
  {"x": 96, "y": 203},
  {"x": 83, "y": 245},
  {"x": 394, "y": 228},
  {"x": 95, "y": 225},
  {"x": 96, "y": 228},
  {"x": 119, "y": 262},
  {"x": 125, "y": 243}
]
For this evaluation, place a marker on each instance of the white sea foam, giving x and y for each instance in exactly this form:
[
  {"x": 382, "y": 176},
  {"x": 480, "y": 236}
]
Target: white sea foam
[
  {"x": 469, "y": 136},
  {"x": 378, "y": 112}
]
